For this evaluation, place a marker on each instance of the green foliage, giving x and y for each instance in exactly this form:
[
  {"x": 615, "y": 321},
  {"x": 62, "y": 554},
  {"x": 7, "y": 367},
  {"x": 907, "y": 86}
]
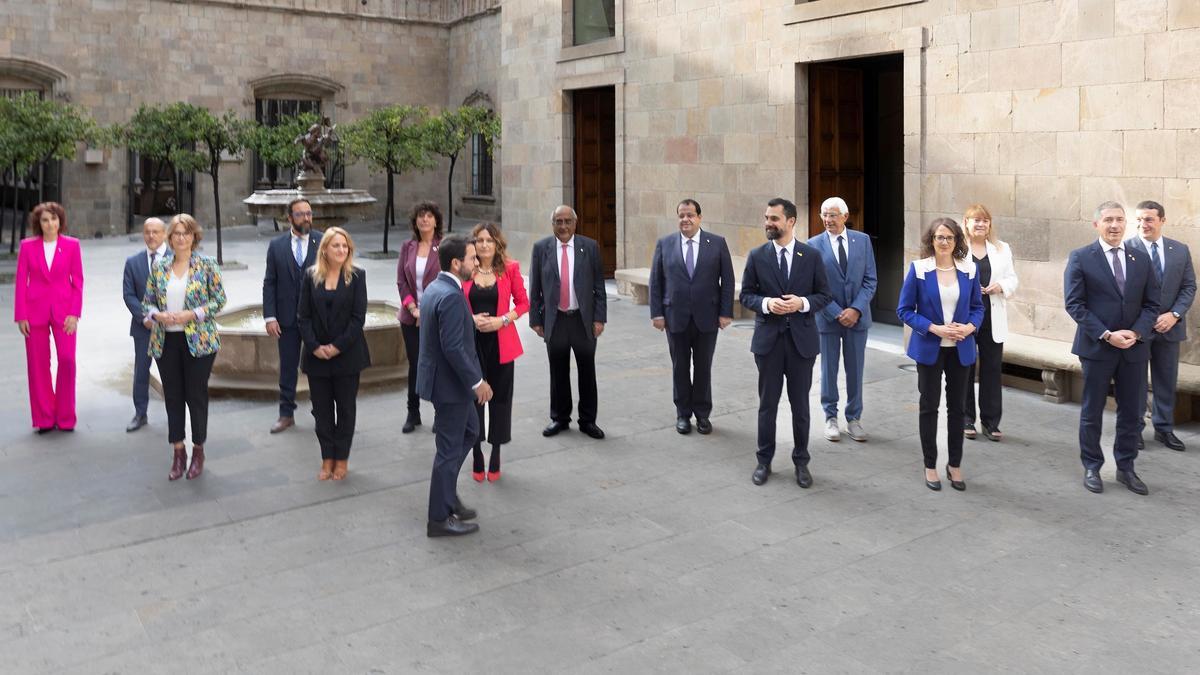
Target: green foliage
[
  {"x": 390, "y": 139},
  {"x": 189, "y": 137},
  {"x": 447, "y": 134},
  {"x": 33, "y": 130},
  {"x": 276, "y": 146}
]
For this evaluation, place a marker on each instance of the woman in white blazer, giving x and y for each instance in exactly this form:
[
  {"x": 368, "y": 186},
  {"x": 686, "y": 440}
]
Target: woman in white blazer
[{"x": 994, "y": 262}]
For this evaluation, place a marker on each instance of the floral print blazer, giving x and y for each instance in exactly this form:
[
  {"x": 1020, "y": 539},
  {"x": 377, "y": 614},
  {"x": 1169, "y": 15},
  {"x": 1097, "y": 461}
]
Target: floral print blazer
[{"x": 204, "y": 292}]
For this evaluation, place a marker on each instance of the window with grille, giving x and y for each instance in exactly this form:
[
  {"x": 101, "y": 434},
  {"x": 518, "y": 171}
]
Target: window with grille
[{"x": 481, "y": 167}]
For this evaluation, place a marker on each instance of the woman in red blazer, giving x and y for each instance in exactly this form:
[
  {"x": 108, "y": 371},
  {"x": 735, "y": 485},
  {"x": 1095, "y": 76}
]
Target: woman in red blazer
[
  {"x": 418, "y": 252},
  {"x": 496, "y": 295},
  {"x": 49, "y": 298}
]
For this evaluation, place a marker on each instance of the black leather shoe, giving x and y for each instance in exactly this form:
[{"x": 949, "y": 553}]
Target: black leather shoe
[
  {"x": 42, "y": 431},
  {"x": 554, "y": 428},
  {"x": 462, "y": 511},
  {"x": 450, "y": 527},
  {"x": 959, "y": 485},
  {"x": 1130, "y": 480},
  {"x": 411, "y": 423},
  {"x": 1170, "y": 440},
  {"x": 1091, "y": 481},
  {"x": 935, "y": 485},
  {"x": 803, "y": 477},
  {"x": 592, "y": 430},
  {"x": 703, "y": 425},
  {"x": 136, "y": 423},
  {"x": 761, "y": 473},
  {"x": 683, "y": 425},
  {"x": 1141, "y": 444}
]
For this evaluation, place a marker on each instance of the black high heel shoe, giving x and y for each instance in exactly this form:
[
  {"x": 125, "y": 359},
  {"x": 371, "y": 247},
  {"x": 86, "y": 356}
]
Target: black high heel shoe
[
  {"x": 956, "y": 484},
  {"x": 935, "y": 485}
]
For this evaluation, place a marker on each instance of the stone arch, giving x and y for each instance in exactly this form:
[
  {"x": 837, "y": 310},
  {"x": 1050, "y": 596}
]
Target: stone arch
[{"x": 21, "y": 73}]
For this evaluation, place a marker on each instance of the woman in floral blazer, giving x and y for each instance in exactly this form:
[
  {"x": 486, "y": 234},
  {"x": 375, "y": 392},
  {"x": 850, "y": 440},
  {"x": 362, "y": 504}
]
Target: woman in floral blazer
[{"x": 183, "y": 295}]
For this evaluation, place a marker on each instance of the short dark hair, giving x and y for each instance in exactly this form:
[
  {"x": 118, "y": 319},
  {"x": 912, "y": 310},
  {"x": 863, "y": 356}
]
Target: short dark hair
[
  {"x": 35, "y": 218},
  {"x": 426, "y": 207},
  {"x": 960, "y": 238},
  {"x": 692, "y": 202},
  {"x": 453, "y": 247},
  {"x": 296, "y": 201},
  {"x": 789, "y": 209},
  {"x": 1148, "y": 204}
]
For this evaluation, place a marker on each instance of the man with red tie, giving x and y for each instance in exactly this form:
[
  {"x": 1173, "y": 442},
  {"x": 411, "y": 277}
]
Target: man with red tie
[{"x": 568, "y": 308}]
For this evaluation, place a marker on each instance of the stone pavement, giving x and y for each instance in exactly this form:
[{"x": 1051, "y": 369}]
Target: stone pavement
[{"x": 645, "y": 552}]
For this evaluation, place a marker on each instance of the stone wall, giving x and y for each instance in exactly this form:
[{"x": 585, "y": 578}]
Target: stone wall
[{"x": 474, "y": 79}]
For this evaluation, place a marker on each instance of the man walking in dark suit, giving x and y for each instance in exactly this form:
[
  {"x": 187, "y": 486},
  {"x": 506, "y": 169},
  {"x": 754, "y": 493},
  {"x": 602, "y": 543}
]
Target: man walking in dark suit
[
  {"x": 1112, "y": 295},
  {"x": 568, "y": 308},
  {"x": 448, "y": 375},
  {"x": 850, "y": 265},
  {"x": 133, "y": 288},
  {"x": 784, "y": 284},
  {"x": 288, "y": 256},
  {"x": 691, "y": 297},
  {"x": 1171, "y": 262}
]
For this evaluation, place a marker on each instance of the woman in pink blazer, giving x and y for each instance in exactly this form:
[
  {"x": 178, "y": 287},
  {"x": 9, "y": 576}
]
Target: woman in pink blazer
[
  {"x": 48, "y": 299},
  {"x": 496, "y": 295},
  {"x": 417, "y": 268}
]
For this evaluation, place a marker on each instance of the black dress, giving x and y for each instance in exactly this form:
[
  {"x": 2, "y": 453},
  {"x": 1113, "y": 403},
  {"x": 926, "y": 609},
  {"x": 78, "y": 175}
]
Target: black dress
[{"x": 485, "y": 299}]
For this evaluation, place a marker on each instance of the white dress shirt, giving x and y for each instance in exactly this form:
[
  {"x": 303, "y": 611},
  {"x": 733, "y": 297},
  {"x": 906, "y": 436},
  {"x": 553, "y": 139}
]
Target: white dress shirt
[
  {"x": 683, "y": 247},
  {"x": 1108, "y": 256},
  {"x": 833, "y": 243},
  {"x": 1162, "y": 258},
  {"x": 49, "y": 247},
  {"x": 158, "y": 253},
  {"x": 791, "y": 249}
]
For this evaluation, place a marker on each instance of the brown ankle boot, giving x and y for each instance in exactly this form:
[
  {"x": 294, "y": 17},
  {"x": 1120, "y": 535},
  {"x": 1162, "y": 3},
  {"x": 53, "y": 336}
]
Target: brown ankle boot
[
  {"x": 178, "y": 463},
  {"x": 197, "y": 467}
]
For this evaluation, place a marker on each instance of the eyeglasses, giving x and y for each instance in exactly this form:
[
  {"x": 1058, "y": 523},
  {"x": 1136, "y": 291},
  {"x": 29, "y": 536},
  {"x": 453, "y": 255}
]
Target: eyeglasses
[
  {"x": 943, "y": 239},
  {"x": 181, "y": 233},
  {"x": 835, "y": 214},
  {"x": 563, "y": 221},
  {"x": 301, "y": 214}
]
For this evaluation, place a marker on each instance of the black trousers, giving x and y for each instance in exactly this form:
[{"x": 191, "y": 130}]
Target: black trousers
[
  {"x": 987, "y": 364},
  {"x": 929, "y": 383},
  {"x": 691, "y": 368},
  {"x": 412, "y": 349},
  {"x": 783, "y": 361},
  {"x": 289, "y": 369},
  {"x": 334, "y": 401},
  {"x": 570, "y": 335},
  {"x": 457, "y": 427},
  {"x": 185, "y": 388},
  {"x": 499, "y": 409}
]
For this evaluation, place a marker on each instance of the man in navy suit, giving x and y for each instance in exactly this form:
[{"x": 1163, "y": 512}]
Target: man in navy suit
[
  {"x": 133, "y": 288},
  {"x": 784, "y": 284},
  {"x": 288, "y": 256},
  {"x": 448, "y": 375},
  {"x": 568, "y": 307},
  {"x": 850, "y": 265},
  {"x": 1112, "y": 294},
  {"x": 691, "y": 297},
  {"x": 1171, "y": 262}
]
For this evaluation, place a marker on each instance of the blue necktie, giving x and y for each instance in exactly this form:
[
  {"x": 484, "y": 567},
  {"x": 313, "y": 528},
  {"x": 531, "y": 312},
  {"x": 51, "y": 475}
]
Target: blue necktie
[
  {"x": 1158, "y": 270},
  {"x": 842, "y": 254},
  {"x": 783, "y": 268},
  {"x": 299, "y": 253},
  {"x": 689, "y": 260}
]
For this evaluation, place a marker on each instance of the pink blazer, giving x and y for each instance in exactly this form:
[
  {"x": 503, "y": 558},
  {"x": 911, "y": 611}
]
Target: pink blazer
[
  {"x": 406, "y": 275},
  {"x": 43, "y": 295},
  {"x": 510, "y": 292}
]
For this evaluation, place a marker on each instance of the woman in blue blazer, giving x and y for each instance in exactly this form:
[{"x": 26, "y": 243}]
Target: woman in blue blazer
[{"x": 942, "y": 283}]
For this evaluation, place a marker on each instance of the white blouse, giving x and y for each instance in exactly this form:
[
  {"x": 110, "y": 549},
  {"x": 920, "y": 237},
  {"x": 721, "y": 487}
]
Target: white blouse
[
  {"x": 49, "y": 247},
  {"x": 419, "y": 276},
  {"x": 176, "y": 291},
  {"x": 949, "y": 302}
]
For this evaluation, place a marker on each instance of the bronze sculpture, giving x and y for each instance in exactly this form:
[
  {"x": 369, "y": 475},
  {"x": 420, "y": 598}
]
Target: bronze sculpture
[{"x": 314, "y": 142}]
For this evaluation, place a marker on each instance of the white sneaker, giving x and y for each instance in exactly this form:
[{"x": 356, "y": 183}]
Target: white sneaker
[
  {"x": 855, "y": 430},
  {"x": 832, "y": 433}
]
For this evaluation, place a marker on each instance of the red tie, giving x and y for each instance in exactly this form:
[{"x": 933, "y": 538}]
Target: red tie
[{"x": 564, "y": 282}]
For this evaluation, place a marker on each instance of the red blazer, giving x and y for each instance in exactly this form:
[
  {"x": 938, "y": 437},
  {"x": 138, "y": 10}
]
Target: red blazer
[
  {"x": 510, "y": 294},
  {"x": 406, "y": 275},
  {"x": 43, "y": 295}
]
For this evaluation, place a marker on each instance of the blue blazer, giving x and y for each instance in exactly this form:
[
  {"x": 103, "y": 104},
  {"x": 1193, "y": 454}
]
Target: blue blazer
[
  {"x": 448, "y": 366},
  {"x": 806, "y": 278},
  {"x": 704, "y": 297},
  {"x": 1178, "y": 284},
  {"x": 920, "y": 306},
  {"x": 133, "y": 288},
  {"x": 281, "y": 285},
  {"x": 855, "y": 288},
  {"x": 1093, "y": 301}
]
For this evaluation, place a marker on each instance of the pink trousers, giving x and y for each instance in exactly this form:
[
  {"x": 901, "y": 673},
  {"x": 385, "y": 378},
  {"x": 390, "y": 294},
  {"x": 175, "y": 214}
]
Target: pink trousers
[{"x": 52, "y": 404}]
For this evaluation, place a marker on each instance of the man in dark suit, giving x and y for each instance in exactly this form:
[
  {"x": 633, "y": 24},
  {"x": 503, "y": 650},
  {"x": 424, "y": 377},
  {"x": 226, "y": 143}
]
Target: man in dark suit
[
  {"x": 850, "y": 265},
  {"x": 691, "y": 297},
  {"x": 133, "y": 288},
  {"x": 568, "y": 308},
  {"x": 288, "y": 256},
  {"x": 1171, "y": 263},
  {"x": 448, "y": 375},
  {"x": 1112, "y": 295},
  {"x": 784, "y": 284}
]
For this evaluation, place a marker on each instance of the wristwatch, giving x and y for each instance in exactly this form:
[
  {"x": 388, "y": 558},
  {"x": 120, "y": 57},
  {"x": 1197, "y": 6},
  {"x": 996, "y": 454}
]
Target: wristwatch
[
  {"x": 504, "y": 320},
  {"x": 1176, "y": 315}
]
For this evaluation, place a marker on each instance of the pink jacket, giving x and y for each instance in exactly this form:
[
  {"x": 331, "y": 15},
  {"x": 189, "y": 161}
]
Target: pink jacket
[
  {"x": 511, "y": 291},
  {"x": 43, "y": 295}
]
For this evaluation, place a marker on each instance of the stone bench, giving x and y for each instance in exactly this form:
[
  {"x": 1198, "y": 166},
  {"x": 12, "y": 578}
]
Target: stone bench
[{"x": 635, "y": 282}]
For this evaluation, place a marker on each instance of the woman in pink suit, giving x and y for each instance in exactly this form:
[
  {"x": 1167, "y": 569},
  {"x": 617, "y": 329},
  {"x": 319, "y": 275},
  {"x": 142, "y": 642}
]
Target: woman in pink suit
[{"x": 48, "y": 299}]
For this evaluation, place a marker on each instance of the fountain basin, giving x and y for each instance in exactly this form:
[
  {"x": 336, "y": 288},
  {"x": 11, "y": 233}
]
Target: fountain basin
[{"x": 330, "y": 207}]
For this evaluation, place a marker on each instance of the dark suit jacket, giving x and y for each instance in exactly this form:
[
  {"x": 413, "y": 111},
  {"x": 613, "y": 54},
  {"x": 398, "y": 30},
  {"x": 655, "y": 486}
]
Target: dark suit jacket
[
  {"x": 406, "y": 275},
  {"x": 448, "y": 366},
  {"x": 588, "y": 282},
  {"x": 704, "y": 297},
  {"x": 853, "y": 289},
  {"x": 1178, "y": 283},
  {"x": 806, "y": 278},
  {"x": 133, "y": 288},
  {"x": 1093, "y": 301},
  {"x": 281, "y": 285},
  {"x": 340, "y": 325}
]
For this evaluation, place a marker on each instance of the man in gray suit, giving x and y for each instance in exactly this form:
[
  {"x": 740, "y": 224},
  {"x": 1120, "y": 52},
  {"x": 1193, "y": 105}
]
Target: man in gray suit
[
  {"x": 568, "y": 308},
  {"x": 1172, "y": 264},
  {"x": 133, "y": 287}
]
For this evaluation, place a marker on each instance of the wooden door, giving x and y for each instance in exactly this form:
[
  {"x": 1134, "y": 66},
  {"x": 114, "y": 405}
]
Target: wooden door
[
  {"x": 595, "y": 168},
  {"x": 835, "y": 142}
]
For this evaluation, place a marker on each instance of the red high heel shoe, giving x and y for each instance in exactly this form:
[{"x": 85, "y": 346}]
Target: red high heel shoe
[
  {"x": 478, "y": 476},
  {"x": 493, "y": 476}
]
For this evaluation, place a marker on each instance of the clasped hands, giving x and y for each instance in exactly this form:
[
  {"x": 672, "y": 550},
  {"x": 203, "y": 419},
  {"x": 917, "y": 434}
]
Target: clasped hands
[
  {"x": 953, "y": 330},
  {"x": 486, "y": 323},
  {"x": 170, "y": 318},
  {"x": 1122, "y": 339},
  {"x": 786, "y": 304},
  {"x": 326, "y": 352}
]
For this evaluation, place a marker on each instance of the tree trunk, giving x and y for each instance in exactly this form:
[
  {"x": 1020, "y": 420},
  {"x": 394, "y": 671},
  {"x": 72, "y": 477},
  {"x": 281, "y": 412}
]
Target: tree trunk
[
  {"x": 450, "y": 194},
  {"x": 12, "y": 246},
  {"x": 215, "y": 167},
  {"x": 389, "y": 213},
  {"x": 24, "y": 211}
]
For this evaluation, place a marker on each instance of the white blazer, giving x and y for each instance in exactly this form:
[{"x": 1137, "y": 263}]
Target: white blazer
[{"x": 1004, "y": 274}]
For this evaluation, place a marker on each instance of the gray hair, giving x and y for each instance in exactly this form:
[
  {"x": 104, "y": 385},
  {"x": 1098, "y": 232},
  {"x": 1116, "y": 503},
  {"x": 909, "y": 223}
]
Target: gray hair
[
  {"x": 1104, "y": 206},
  {"x": 836, "y": 202},
  {"x": 154, "y": 221},
  {"x": 563, "y": 206}
]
